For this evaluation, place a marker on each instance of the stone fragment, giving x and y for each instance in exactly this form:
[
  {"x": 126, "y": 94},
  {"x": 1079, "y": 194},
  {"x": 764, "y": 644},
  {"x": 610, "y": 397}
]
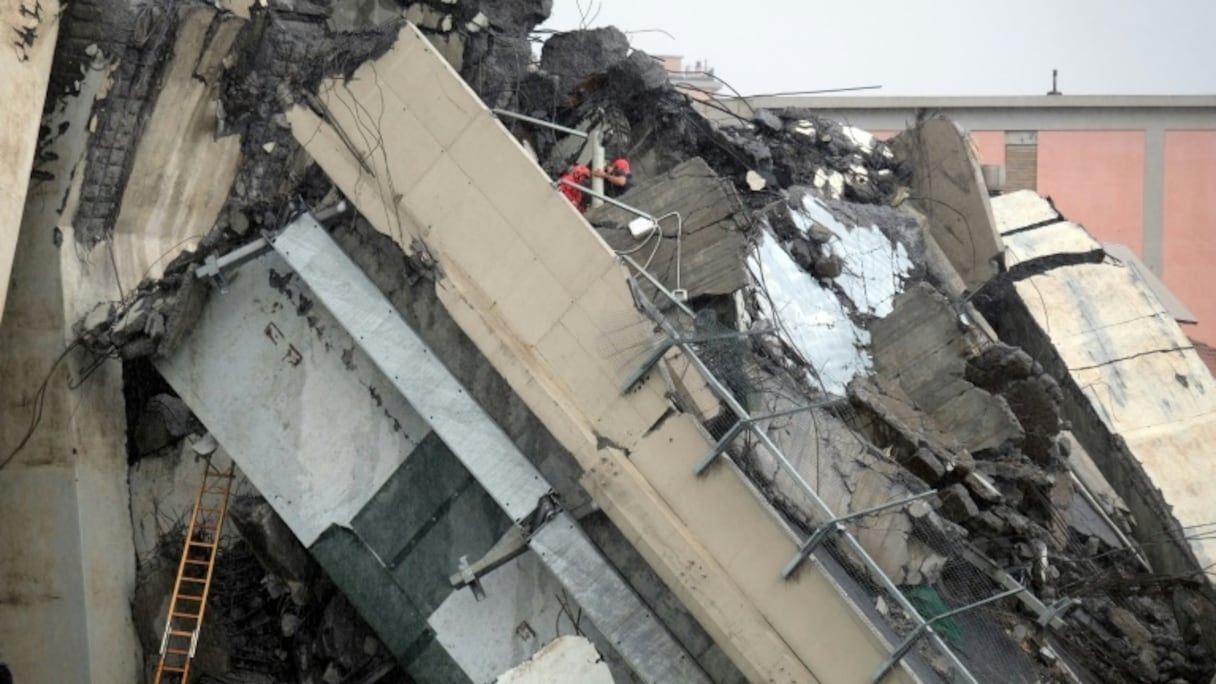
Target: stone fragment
[
  {"x": 755, "y": 181},
  {"x": 289, "y": 624},
  {"x": 1127, "y": 625},
  {"x": 957, "y": 504},
  {"x": 819, "y": 233},
  {"x": 477, "y": 23},
  {"x": 828, "y": 266},
  {"x": 639, "y": 72}
]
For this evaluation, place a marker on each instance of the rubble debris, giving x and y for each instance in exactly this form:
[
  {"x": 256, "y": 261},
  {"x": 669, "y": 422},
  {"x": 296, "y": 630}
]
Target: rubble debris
[
  {"x": 921, "y": 347},
  {"x": 152, "y": 319}
]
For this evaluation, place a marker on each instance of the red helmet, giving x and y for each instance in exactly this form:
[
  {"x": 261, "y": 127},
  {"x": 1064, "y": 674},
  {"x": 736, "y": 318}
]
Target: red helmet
[
  {"x": 580, "y": 173},
  {"x": 621, "y": 166}
]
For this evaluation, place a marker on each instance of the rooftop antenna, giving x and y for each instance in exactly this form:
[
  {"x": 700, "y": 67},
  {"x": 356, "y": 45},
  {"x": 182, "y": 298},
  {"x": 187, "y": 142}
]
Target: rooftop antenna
[{"x": 1055, "y": 90}]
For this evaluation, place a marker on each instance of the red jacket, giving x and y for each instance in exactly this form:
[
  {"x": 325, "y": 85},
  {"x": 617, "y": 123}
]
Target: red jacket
[{"x": 579, "y": 175}]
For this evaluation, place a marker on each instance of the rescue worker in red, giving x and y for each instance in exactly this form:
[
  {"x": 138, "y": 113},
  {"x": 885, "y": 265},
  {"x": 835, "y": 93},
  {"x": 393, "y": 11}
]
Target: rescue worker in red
[
  {"x": 580, "y": 175},
  {"x": 617, "y": 176}
]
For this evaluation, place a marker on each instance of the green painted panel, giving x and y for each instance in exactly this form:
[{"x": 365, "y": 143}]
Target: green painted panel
[
  {"x": 371, "y": 589},
  {"x": 413, "y": 497},
  {"x": 469, "y": 527}
]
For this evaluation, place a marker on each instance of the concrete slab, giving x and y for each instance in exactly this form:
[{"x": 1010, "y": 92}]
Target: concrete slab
[
  {"x": 1019, "y": 209},
  {"x": 920, "y": 347},
  {"x": 1055, "y": 238},
  {"x": 709, "y": 230},
  {"x": 1172, "y": 304},
  {"x": 1124, "y": 355}
]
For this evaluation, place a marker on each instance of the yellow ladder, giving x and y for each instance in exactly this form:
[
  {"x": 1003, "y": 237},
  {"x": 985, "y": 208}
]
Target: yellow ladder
[{"x": 193, "y": 583}]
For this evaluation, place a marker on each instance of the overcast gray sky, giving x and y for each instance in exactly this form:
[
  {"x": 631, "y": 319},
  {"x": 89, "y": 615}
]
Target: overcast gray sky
[{"x": 931, "y": 47}]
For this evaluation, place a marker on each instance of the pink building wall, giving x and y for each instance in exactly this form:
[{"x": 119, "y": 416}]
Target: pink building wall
[
  {"x": 1096, "y": 178},
  {"x": 1190, "y": 226},
  {"x": 991, "y": 146}
]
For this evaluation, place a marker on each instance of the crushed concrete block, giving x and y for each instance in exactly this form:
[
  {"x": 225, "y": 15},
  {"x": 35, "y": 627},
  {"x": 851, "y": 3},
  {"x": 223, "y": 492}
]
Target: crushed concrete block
[
  {"x": 639, "y": 72},
  {"x": 132, "y": 323},
  {"x": 957, "y": 504},
  {"x": 766, "y": 118},
  {"x": 427, "y": 17},
  {"x": 576, "y": 55},
  {"x": 1129, "y": 626},
  {"x": 991, "y": 524},
  {"x": 925, "y": 465}
]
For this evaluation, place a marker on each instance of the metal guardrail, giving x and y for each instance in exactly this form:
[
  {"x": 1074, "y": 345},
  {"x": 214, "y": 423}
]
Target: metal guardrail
[
  {"x": 541, "y": 122},
  {"x": 922, "y": 626}
]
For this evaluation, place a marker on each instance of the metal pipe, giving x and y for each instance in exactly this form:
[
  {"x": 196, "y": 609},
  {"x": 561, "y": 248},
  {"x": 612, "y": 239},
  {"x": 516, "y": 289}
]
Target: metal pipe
[
  {"x": 597, "y": 162},
  {"x": 541, "y": 122}
]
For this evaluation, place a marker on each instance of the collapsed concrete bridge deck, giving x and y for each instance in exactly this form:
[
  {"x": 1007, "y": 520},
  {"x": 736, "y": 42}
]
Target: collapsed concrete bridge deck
[{"x": 476, "y": 266}]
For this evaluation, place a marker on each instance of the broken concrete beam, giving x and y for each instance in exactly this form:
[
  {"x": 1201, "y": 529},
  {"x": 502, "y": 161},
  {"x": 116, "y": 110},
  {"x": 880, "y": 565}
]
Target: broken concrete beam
[
  {"x": 702, "y": 241},
  {"x": 948, "y": 188}
]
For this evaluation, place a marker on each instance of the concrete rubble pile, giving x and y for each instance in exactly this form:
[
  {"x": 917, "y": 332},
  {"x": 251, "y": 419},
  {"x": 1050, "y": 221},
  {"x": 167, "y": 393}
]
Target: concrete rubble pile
[{"x": 815, "y": 257}]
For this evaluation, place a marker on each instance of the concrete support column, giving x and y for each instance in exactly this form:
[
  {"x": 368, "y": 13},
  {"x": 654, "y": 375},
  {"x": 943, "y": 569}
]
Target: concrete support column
[{"x": 1154, "y": 200}]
